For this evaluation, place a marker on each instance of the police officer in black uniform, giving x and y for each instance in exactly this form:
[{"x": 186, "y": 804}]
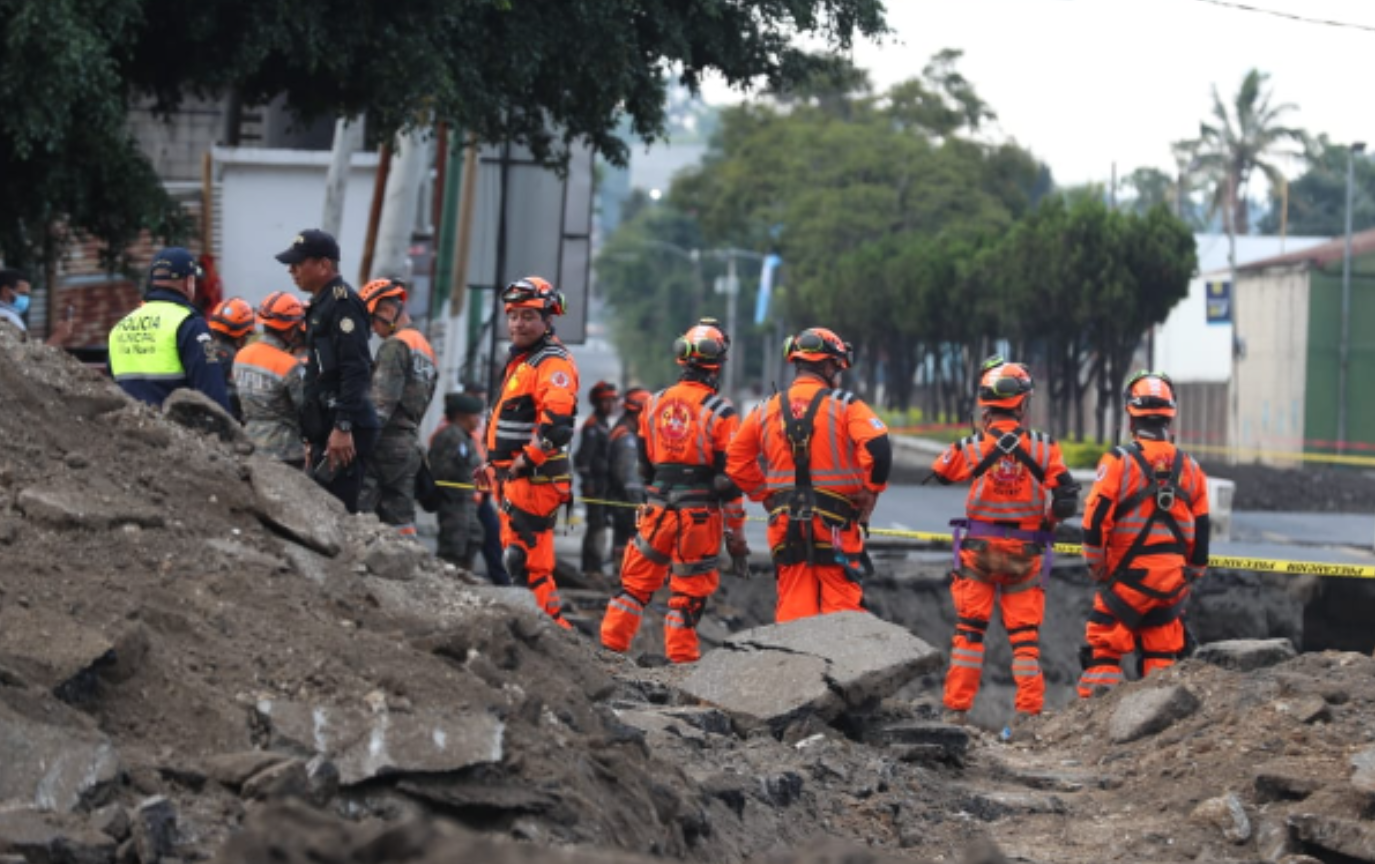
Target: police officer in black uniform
[{"x": 339, "y": 422}]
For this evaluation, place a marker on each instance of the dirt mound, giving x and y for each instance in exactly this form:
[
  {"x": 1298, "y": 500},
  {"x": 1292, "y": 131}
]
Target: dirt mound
[
  {"x": 1306, "y": 490},
  {"x": 202, "y": 658}
]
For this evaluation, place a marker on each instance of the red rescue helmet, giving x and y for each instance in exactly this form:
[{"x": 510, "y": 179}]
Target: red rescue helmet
[
  {"x": 704, "y": 345},
  {"x": 1005, "y": 386},
  {"x": 532, "y": 292},
  {"x": 380, "y": 289},
  {"x": 637, "y": 399},
  {"x": 281, "y": 311},
  {"x": 1150, "y": 394},
  {"x": 233, "y": 318},
  {"x": 816, "y": 344}
]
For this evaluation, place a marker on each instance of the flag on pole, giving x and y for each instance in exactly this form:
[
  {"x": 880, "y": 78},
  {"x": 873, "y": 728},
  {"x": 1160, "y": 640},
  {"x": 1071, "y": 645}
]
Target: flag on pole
[{"x": 761, "y": 303}]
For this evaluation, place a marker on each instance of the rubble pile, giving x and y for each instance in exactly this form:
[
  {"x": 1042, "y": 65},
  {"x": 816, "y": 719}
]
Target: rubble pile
[{"x": 203, "y": 658}]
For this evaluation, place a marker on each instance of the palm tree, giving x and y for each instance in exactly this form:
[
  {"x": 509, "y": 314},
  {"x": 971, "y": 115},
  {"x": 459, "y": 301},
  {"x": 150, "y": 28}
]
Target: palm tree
[{"x": 1243, "y": 137}]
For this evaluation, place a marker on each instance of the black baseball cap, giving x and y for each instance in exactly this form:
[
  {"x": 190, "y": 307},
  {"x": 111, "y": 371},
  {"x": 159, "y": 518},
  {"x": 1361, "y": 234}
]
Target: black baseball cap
[
  {"x": 462, "y": 403},
  {"x": 310, "y": 243},
  {"x": 173, "y": 262}
]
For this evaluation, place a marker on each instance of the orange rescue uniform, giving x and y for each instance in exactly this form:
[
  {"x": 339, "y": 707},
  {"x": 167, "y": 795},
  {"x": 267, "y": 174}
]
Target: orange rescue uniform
[
  {"x": 841, "y": 466},
  {"x": 1144, "y": 555},
  {"x": 1013, "y": 471},
  {"x": 538, "y": 396},
  {"x": 685, "y": 431}
]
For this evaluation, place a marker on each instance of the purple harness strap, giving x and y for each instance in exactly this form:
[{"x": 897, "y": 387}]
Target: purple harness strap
[{"x": 979, "y": 529}]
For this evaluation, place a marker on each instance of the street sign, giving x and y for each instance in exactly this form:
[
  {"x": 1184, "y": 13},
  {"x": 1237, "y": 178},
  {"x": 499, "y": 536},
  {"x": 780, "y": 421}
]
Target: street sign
[{"x": 1219, "y": 302}]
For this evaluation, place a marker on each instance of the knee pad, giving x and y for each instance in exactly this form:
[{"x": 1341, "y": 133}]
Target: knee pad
[
  {"x": 514, "y": 559},
  {"x": 690, "y": 607}
]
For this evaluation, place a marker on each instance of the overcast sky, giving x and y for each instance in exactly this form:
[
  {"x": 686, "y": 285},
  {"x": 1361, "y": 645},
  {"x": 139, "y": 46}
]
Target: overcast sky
[{"x": 1086, "y": 83}]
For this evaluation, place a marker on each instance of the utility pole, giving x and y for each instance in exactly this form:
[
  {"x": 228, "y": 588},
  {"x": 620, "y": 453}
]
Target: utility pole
[
  {"x": 733, "y": 289},
  {"x": 348, "y": 136},
  {"x": 1344, "y": 349}
]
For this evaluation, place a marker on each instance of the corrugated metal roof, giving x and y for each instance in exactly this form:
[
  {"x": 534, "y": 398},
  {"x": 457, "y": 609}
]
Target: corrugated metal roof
[{"x": 1321, "y": 255}]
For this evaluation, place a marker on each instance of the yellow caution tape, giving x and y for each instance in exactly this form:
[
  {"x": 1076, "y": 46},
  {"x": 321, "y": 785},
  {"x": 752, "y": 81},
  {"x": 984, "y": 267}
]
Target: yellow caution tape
[{"x": 1225, "y": 562}]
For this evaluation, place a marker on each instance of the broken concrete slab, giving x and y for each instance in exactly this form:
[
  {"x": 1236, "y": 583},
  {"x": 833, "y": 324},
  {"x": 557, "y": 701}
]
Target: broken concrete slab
[
  {"x": 53, "y": 652},
  {"x": 1007, "y": 803},
  {"x": 1348, "y": 837},
  {"x": 395, "y": 557},
  {"x": 50, "y": 767},
  {"x": 234, "y": 769},
  {"x": 296, "y": 506},
  {"x": 38, "y": 836},
  {"x": 1147, "y": 712},
  {"x": 194, "y": 410},
  {"x": 364, "y": 743},
  {"x": 1363, "y": 770},
  {"x": 1245, "y": 655},
  {"x": 154, "y": 828},
  {"x": 949, "y": 738},
  {"x": 684, "y": 722},
  {"x": 289, "y": 779},
  {"x": 821, "y": 666},
  {"x": 72, "y": 508},
  {"x": 1226, "y": 814},
  {"x": 1288, "y": 780}
]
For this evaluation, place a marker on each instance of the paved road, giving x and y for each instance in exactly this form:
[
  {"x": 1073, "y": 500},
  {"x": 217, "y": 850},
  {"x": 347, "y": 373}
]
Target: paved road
[{"x": 1344, "y": 538}]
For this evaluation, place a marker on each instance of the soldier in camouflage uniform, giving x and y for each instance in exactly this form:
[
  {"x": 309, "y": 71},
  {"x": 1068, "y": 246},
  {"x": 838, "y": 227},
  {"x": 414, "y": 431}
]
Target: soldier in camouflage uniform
[
  {"x": 231, "y": 323},
  {"x": 626, "y": 486},
  {"x": 454, "y": 456},
  {"x": 271, "y": 380},
  {"x": 403, "y": 382}
]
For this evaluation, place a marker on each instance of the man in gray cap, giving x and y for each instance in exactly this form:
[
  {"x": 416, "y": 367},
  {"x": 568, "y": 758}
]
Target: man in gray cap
[
  {"x": 339, "y": 422},
  {"x": 165, "y": 344},
  {"x": 454, "y": 455}
]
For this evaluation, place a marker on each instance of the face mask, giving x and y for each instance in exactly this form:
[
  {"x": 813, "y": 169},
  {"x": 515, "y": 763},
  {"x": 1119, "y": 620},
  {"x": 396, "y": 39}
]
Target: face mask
[{"x": 21, "y": 303}]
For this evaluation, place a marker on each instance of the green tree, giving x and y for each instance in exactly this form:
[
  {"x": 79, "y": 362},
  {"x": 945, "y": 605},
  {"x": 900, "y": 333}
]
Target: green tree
[
  {"x": 1243, "y": 136},
  {"x": 865, "y": 197},
  {"x": 1317, "y": 200},
  {"x": 503, "y": 69}
]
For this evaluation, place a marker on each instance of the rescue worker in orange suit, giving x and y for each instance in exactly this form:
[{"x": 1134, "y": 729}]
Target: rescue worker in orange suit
[
  {"x": 627, "y": 486},
  {"x": 592, "y": 461},
  {"x": 1146, "y": 534},
  {"x": 826, "y": 459},
  {"x": 1019, "y": 487},
  {"x": 531, "y": 426},
  {"x": 231, "y": 323},
  {"x": 690, "y": 505}
]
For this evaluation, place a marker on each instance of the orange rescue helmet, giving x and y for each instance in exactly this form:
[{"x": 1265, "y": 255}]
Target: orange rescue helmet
[
  {"x": 816, "y": 344},
  {"x": 1005, "y": 386},
  {"x": 533, "y": 292},
  {"x": 233, "y": 318},
  {"x": 704, "y": 345},
  {"x": 1150, "y": 394},
  {"x": 637, "y": 399},
  {"x": 281, "y": 311},
  {"x": 603, "y": 390},
  {"x": 380, "y": 289}
]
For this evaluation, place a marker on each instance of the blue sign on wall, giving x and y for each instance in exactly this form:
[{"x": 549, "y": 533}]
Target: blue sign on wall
[{"x": 1219, "y": 301}]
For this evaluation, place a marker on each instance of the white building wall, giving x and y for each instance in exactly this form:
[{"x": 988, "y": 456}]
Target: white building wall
[
  {"x": 266, "y": 198},
  {"x": 1186, "y": 345},
  {"x": 1272, "y": 314}
]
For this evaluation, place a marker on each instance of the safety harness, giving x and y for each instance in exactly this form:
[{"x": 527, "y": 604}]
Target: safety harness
[
  {"x": 802, "y": 502},
  {"x": 1165, "y": 491},
  {"x": 1008, "y": 444},
  {"x": 689, "y": 488}
]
